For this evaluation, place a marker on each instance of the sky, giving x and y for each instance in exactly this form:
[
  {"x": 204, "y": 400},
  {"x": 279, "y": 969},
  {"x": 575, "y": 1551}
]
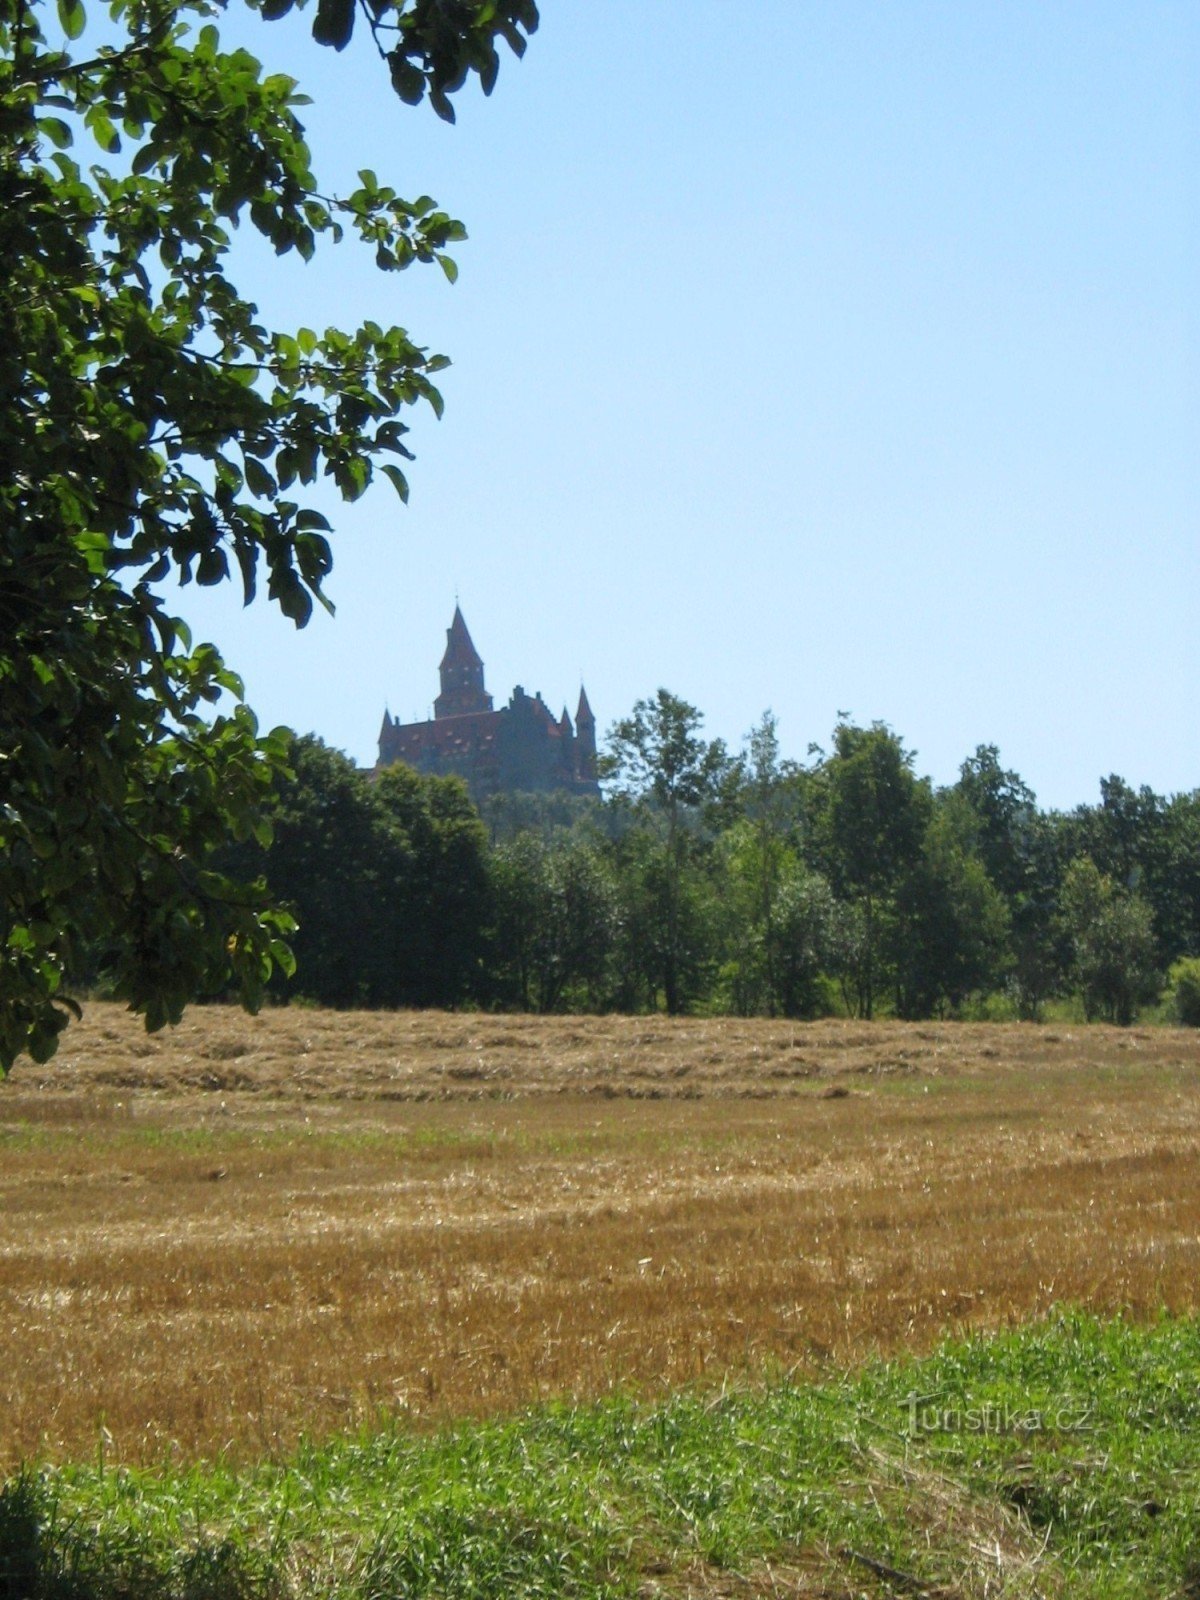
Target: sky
[{"x": 827, "y": 358}]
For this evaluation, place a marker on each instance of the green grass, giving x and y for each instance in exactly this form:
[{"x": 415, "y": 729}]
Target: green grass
[{"x": 1069, "y": 1450}]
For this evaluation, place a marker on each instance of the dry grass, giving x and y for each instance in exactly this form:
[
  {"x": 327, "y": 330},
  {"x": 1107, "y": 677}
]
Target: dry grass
[{"x": 248, "y": 1229}]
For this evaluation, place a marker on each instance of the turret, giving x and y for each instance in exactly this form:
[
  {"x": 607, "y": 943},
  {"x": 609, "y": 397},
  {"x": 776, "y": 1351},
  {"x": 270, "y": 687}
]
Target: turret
[
  {"x": 386, "y": 734},
  {"x": 585, "y": 737},
  {"x": 461, "y": 674}
]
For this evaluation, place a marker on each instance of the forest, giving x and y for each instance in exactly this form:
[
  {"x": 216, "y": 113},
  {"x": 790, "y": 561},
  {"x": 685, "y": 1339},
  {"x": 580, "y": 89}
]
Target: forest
[{"x": 707, "y": 881}]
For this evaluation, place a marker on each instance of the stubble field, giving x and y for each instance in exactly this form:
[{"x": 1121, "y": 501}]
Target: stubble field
[{"x": 222, "y": 1238}]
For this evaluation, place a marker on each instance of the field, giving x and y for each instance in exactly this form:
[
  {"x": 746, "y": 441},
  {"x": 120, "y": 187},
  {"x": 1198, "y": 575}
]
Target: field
[{"x": 217, "y": 1241}]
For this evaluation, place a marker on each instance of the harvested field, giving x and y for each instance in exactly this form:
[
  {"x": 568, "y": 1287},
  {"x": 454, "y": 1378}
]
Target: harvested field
[{"x": 221, "y": 1238}]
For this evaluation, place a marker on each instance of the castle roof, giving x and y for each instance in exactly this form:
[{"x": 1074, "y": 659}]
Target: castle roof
[
  {"x": 584, "y": 711},
  {"x": 460, "y": 650}
]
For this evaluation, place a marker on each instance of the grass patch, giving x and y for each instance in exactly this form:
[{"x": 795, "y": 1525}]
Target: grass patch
[{"x": 1060, "y": 1459}]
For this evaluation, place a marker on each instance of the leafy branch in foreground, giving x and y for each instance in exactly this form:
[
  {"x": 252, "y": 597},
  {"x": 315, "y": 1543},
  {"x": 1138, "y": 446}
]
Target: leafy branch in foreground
[{"x": 151, "y": 426}]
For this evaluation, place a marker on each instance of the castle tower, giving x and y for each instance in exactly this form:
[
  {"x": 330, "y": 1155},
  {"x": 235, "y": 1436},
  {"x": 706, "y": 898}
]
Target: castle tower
[
  {"x": 461, "y": 673},
  {"x": 585, "y": 737}
]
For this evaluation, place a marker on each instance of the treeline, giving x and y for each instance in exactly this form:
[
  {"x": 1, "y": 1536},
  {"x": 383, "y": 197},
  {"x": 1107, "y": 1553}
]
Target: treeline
[{"x": 748, "y": 884}]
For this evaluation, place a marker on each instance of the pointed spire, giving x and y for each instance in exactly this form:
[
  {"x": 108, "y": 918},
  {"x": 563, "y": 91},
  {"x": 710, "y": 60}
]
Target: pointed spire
[
  {"x": 564, "y": 722},
  {"x": 584, "y": 712},
  {"x": 460, "y": 649},
  {"x": 461, "y": 673}
]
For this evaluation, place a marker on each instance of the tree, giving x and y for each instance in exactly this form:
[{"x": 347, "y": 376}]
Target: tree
[
  {"x": 874, "y": 813},
  {"x": 950, "y": 928},
  {"x": 553, "y": 904},
  {"x": 1005, "y": 809},
  {"x": 335, "y": 865},
  {"x": 387, "y": 880},
  {"x": 1185, "y": 989},
  {"x": 151, "y": 424},
  {"x": 438, "y": 907},
  {"x": 764, "y": 856},
  {"x": 1115, "y": 960},
  {"x": 804, "y": 934},
  {"x": 658, "y": 757},
  {"x": 1173, "y": 882}
]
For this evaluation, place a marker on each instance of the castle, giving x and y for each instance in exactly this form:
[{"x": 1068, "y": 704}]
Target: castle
[{"x": 523, "y": 746}]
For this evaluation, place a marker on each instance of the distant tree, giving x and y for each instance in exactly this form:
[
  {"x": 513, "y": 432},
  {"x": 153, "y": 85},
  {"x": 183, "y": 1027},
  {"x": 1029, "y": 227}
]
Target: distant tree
[
  {"x": 387, "y": 881},
  {"x": 666, "y": 924},
  {"x": 1040, "y": 948},
  {"x": 1185, "y": 990},
  {"x": 1173, "y": 880},
  {"x": 509, "y": 815},
  {"x": 1121, "y": 833},
  {"x": 805, "y": 934},
  {"x": 1005, "y": 809},
  {"x": 776, "y": 914},
  {"x": 554, "y": 909},
  {"x": 871, "y": 828},
  {"x": 333, "y": 863},
  {"x": 438, "y": 908},
  {"x": 657, "y": 757},
  {"x": 769, "y": 804},
  {"x": 584, "y": 922},
  {"x": 519, "y": 905},
  {"x": 1115, "y": 965},
  {"x": 950, "y": 924},
  {"x": 1148, "y": 844}
]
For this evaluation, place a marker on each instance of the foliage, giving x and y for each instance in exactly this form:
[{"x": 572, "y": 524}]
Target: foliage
[
  {"x": 761, "y": 864},
  {"x": 1185, "y": 987},
  {"x": 436, "y": 911},
  {"x": 751, "y": 896},
  {"x": 950, "y": 926},
  {"x": 553, "y": 920},
  {"x": 430, "y": 46},
  {"x": 803, "y": 943},
  {"x": 657, "y": 754},
  {"x": 1115, "y": 959},
  {"x": 870, "y": 828},
  {"x": 1005, "y": 810},
  {"x": 152, "y": 425},
  {"x": 387, "y": 881},
  {"x": 658, "y": 758}
]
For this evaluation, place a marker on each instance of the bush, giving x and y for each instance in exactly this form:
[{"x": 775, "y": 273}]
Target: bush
[{"x": 1185, "y": 983}]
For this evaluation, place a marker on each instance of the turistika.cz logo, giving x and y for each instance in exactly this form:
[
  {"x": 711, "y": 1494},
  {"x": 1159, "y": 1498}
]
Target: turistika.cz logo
[{"x": 928, "y": 1413}]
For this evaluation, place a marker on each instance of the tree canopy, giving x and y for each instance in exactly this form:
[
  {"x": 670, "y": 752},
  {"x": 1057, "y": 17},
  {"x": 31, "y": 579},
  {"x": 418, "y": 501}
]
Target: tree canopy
[
  {"x": 701, "y": 882},
  {"x": 153, "y": 425}
]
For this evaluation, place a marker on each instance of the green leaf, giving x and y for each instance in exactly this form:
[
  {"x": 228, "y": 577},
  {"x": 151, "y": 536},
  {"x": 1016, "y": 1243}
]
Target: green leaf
[
  {"x": 57, "y": 131},
  {"x": 449, "y": 267},
  {"x": 72, "y": 17},
  {"x": 101, "y": 127},
  {"x": 408, "y": 81},
  {"x": 258, "y": 479},
  {"x": 397, "y": 479},
  {"x": 440, "y": 101},
  {"x": 334, "y": 23},
  {"x": 283, "y": 958}
]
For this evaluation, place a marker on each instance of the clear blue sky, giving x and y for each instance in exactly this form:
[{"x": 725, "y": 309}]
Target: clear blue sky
[{"x": 825, "y": 357}]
